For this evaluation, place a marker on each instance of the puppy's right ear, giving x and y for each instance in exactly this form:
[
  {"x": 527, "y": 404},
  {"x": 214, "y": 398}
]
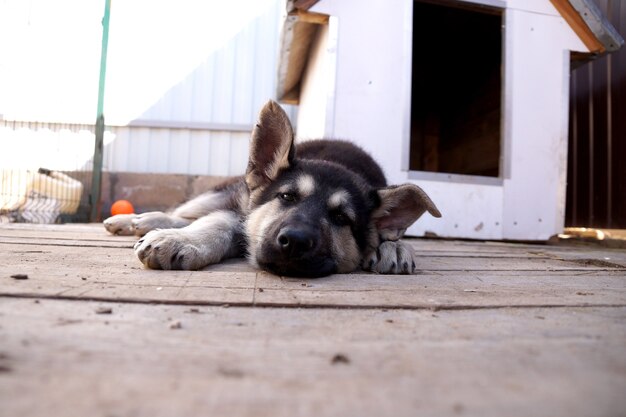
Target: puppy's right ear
[
  {"x": 271, "y": 146},
  {"x": 400, "y": 206}
]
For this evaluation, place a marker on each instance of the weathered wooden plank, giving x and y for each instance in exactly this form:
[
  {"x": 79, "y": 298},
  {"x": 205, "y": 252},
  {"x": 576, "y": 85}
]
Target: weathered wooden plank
[
  {"x": 60, "y": 358},
  {"x": 61, "y": 228},
  {"x": 96, "y": 232},
  {"x": 607, "y": 257},
  {"x": 108, "y": 256},
  {"x": 481, "y": 248},
  {"x": 398, "y": 358},
  {"x": 477, "y": 249},
  {"x": 115, "y": 273},
  {"x": 448, "y": 291},
  {"x": 453, "y": 275},
  {"x": 111, "y": 273},
  {"x": 357, "y": 290},
  {"x": 81, "y": 242},
  {"x": 460, "y": 263},
  {"x": 90, "y": 232}
]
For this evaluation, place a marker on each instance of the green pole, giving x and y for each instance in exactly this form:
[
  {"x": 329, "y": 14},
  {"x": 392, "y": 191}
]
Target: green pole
[{"x": 96, "y": 179}]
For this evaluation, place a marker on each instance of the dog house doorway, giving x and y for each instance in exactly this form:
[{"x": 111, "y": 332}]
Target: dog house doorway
[{"x": 456, "y": 97}]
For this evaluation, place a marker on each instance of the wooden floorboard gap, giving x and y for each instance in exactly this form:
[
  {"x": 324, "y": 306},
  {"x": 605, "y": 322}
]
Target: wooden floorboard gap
[{"x": 310, "y": 306}]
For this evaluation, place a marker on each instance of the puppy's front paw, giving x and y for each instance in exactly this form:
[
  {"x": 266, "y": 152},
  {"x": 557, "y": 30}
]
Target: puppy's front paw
[
  {"x": 169, "y": 249},
  {"x": 120, "y": 224},
  {"x": 392, "y": 257}
]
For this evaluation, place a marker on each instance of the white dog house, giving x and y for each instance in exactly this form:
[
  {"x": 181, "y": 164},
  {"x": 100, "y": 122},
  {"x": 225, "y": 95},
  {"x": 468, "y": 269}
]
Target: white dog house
[{"x": 466, "y": 98}]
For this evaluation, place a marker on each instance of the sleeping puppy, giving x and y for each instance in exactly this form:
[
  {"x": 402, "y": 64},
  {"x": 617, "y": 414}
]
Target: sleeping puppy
[{"x": 306, "y": 210}]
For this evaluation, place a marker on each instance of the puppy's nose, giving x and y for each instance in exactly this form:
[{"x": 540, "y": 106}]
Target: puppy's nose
[{"x": 295, "y": 242}]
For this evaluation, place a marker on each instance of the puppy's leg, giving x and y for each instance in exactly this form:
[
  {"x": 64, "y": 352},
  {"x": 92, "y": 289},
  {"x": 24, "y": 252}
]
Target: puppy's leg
[
  {"x": 185, "y": 214},
  {"x": 206, "y": 241},
  {"x": 146, "y": 222},
  {"x": 120, "y": 224},
  {"x": 391, "y": 257},
  {"x": 140, "y": 224}
]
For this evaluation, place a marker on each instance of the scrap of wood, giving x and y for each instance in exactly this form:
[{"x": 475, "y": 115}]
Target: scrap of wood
[
  {"x": 310, "y": 17},
  {"x": 576, "y": 22},
  {"x": 304, "y": 4}
]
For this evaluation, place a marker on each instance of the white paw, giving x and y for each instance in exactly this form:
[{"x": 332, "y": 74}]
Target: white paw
[
  {"x": 392, "y": 257},
  {"x": 120, "y": 224},
  {"x": 170, "y": 249},
  {"x": 146, "y": 222}
]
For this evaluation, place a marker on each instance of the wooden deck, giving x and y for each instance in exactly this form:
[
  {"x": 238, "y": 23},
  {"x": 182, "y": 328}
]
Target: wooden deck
[{"x": 485, "y": 329}]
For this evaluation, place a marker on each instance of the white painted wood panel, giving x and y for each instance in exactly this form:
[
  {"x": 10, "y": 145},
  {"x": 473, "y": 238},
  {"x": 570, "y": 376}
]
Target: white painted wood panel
[
  {"x": 316, "y": 90},
  {"x": 368, "y": 105},
  {"x": 469, "y": 210},
  {"x": 537, "y": 100},
  {"x": 372, "y": 107},
  {"x": 533, "y": 6}
]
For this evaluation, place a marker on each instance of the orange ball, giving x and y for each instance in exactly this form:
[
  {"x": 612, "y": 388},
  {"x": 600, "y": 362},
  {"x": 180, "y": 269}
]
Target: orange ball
[{"x": 122, "y": 207}]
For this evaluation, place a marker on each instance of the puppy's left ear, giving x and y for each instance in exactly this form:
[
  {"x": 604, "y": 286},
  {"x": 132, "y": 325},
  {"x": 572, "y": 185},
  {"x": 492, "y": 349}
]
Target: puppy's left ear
[
  {"x": 271, "y": 146},
  {"x": 400, "y": 206}
]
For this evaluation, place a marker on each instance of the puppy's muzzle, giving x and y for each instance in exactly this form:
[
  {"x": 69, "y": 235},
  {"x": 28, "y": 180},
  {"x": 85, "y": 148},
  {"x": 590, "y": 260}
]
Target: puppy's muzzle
[
  {"x": 297, "y": 241},
  {"x": 297, "y": 249}
]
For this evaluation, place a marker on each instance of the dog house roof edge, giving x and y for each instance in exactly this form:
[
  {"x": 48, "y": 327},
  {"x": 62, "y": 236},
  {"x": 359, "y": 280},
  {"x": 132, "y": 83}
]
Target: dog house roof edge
[{"x": 583, "y": 16}]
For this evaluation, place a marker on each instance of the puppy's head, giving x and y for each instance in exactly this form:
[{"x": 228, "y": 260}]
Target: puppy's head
[{"x": 312, "y": 218}]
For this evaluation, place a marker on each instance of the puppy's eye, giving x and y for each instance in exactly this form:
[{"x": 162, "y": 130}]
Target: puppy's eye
[
  {"x": 288, "y": 197},
  {"x": 339, "y": 218}
]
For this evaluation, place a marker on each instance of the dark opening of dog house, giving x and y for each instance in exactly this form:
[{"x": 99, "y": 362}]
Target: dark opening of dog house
[{"x": 456, "y": 89}]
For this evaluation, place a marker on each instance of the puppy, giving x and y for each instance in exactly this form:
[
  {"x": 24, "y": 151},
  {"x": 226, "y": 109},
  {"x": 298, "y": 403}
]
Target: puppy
[{"x": 306, "y": 210}]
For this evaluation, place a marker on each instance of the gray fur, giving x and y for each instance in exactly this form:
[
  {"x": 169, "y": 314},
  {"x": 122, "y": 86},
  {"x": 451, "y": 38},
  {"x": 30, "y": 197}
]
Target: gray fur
[{"x": 312, "y": 210}]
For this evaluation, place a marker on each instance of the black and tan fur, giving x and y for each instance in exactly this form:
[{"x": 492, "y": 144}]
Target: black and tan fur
[{"x": 310, "y": 210}]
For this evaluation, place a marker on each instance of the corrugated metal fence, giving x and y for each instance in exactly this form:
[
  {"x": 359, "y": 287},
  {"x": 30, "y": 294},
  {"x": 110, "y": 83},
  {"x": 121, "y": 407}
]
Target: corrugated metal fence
[
  {"x": 596, "y": 189},
  {"x": 198, "y": 125}
]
